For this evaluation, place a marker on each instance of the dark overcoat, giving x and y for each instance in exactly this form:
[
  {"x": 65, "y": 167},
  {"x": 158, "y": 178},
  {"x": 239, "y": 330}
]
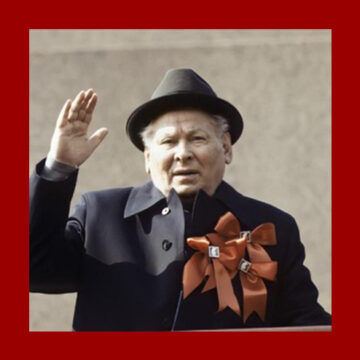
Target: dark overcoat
[{"x": 123, "y": 252}]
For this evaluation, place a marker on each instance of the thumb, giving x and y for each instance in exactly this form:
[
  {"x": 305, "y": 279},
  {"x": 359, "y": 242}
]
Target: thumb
[{"x": 97, "y": 137}]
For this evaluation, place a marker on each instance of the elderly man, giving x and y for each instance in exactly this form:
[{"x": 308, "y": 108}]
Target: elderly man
[{"x": 183, "y": 251}]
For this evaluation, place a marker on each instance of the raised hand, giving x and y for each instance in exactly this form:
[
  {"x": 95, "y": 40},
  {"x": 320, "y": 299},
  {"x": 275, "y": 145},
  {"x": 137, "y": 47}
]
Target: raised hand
[{"x": 70, "y": 144}]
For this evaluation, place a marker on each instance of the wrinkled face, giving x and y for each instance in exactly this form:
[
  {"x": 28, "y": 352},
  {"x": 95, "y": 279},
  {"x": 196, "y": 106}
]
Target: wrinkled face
[{"x": 187, "y": 153}]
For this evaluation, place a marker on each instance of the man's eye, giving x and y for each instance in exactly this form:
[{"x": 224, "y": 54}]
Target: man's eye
[
  {"x": 166, "y": 141},
  {"x": 199, "y": 138}
]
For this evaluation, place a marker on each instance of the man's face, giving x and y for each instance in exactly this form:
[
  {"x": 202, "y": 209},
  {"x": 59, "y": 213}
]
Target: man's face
[{"x": 186, "y": 152}]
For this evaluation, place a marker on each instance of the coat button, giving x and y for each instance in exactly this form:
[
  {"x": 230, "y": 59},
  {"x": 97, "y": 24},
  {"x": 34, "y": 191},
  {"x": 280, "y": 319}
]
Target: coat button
[
  {"x": 165, "y": 211},
  {"x": 166, "y": 245}
]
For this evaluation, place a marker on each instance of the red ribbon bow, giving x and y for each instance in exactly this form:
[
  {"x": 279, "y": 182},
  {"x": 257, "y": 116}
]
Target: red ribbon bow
[{"x": 220, "y": 270}]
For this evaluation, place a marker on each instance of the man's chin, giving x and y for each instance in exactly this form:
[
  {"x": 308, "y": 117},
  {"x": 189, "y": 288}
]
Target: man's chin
[{"x": 186, "y": 191}]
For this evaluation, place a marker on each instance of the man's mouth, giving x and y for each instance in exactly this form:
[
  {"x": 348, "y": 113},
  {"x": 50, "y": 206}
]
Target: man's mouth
[
  {"x": 185, "y": 175},
  {"x": 185, "y": 172}
]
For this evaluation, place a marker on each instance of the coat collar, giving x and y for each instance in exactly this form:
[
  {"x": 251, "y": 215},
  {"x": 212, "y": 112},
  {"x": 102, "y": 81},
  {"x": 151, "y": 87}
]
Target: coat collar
[{"x": 144, "y": 197}]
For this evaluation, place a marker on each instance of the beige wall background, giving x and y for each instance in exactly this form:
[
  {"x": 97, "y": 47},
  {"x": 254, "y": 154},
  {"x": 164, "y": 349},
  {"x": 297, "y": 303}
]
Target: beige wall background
[{"x": 280, "y": 80}]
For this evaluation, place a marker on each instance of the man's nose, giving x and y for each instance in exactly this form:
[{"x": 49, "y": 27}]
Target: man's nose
[{"x": 183, "y": 152}]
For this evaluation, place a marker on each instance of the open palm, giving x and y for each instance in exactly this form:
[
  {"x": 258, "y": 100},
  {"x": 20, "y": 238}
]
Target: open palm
[{"x": 70, "y": 143}]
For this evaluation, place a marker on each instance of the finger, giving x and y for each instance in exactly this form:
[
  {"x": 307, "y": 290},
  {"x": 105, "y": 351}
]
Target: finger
[
  {"x": 87, "y": 97},
  {"x": 91, "y": 105},
  {"x": 76, "y": 106},
  {"x": 82, "y": 111},
  {"x": 78, "y": 100},
  {"x": 64, "y": 113},
  {"x": 97, "y": 137}
]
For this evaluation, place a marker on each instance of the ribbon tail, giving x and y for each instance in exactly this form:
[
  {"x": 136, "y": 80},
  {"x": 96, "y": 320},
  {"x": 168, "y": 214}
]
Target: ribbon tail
[
  {"x": 255, "y": 296},
  {"x": 210, "y": 283},
  {"x": 225, "y": 289},
  {"x": 194, "y": 272}
]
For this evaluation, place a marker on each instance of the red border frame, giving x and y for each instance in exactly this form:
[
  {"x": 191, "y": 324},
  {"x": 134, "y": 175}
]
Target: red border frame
[{"x": 15, "y": 92}]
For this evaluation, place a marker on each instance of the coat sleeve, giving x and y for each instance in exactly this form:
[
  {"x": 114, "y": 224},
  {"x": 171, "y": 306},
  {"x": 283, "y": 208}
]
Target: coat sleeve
[
  {"x": 297, "y": 303},
  {"x": 56, "y": 242}
]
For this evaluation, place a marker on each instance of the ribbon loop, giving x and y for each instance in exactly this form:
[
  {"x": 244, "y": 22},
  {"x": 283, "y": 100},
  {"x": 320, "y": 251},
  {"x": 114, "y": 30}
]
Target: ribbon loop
[{"x": 264, "y": 234}]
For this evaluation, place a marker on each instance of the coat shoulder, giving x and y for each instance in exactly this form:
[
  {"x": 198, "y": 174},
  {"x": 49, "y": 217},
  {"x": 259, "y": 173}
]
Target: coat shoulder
[
  {"x": 108, "y": 193},
  {"x": 253, "y": 211},
  {"x": 267, "y": 210},
  {"x": 107, "y": 196}
]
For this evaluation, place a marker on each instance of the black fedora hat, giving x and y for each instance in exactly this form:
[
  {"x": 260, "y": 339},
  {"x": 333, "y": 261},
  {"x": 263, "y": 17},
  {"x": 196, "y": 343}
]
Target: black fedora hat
[{"x": 182, "y": 89}]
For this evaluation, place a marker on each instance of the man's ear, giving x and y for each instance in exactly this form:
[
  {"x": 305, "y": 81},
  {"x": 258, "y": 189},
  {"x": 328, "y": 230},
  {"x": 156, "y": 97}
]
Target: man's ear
[
  {"x": 147, "y": 161},
  {"x": 227, "y": 147}
]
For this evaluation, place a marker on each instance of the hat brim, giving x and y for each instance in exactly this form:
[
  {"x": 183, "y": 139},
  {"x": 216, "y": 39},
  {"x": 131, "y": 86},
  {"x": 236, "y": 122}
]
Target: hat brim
[{"x": 152, "y": 109}]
